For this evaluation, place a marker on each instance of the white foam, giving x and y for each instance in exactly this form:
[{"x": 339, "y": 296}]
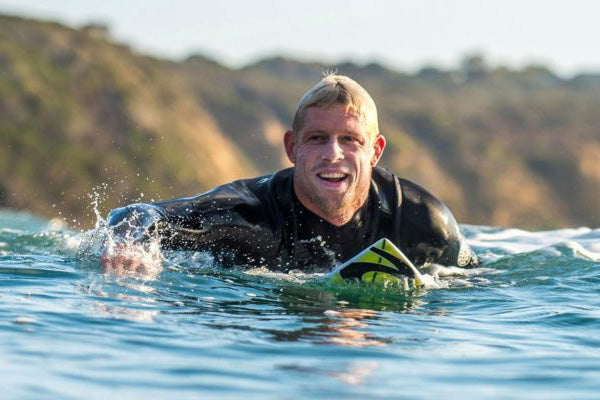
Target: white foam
[
  {"x": 580, "y": 251},
  {"x": 24, "y": 320},
  {"x": 513, "y": 241},
  {"x": 430, "y": 282},
  {"x": 296, "y": 276}
]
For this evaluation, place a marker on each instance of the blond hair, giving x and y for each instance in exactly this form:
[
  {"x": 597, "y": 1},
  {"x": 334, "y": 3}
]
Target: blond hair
[{"x": 339, "y": 89}]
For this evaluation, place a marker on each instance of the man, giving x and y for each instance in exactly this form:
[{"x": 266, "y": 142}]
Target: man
[{"x": 332, "y": 204}]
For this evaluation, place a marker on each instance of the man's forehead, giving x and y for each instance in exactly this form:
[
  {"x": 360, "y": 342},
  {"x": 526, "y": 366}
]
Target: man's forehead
[{"x": 337, "y": 116}]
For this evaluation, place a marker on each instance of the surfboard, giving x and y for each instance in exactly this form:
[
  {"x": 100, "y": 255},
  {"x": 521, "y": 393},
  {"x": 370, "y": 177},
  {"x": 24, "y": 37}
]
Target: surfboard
[{"x": 381, "y": 263}]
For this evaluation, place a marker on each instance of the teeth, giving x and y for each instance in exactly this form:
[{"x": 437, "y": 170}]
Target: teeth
[{"x": 335, "y": 175}]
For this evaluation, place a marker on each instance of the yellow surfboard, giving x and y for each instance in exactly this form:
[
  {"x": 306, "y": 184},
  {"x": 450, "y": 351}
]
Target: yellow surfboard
[{"x": 381, "y": 263}]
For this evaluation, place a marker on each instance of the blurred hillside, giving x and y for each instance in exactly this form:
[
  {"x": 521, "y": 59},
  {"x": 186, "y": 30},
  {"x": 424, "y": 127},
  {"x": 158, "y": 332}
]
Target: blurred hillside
[{"x": 80, "y": 114}]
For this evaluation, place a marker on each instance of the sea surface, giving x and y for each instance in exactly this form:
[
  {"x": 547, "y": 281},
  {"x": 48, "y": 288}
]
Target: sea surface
[{"x": 526, "y": 325}]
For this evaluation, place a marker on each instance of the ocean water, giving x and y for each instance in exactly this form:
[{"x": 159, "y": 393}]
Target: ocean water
[{"x": 526, "y": 325}]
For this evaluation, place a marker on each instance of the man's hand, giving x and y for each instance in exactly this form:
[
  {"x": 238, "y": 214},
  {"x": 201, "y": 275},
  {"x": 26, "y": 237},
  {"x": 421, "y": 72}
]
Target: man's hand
[{"x": 130, "y": 259}]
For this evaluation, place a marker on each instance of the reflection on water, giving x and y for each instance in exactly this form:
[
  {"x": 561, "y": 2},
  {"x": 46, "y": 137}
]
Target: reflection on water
[
  {"x": 345, "y": 328},
  {"x": 357, "y": 372},
  {"x": 133, "y": 313},
  {"x": 129, "y": 314},
  {"x": 322, "y": 317}
]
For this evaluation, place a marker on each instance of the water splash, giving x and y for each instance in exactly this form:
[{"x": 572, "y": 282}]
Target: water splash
[{"x": 103, "y": 244}]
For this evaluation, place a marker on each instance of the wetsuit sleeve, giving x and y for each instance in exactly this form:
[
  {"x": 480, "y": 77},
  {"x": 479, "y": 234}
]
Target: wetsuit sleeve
[
  {"x": 228, "y": 218},
  {"x": 456, "y": 249},
  {"x": 135, "y": 222},
  {"x": 431, "y": 232}
]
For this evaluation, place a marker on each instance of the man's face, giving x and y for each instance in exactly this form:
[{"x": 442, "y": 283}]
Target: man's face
[{"x": 333, "y": 156}]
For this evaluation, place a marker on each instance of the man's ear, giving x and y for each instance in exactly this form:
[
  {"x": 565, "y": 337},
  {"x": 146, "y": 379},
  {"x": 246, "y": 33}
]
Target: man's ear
[
  {"x": 378, "y": 146},
  {"x": 289, "y": 142}
]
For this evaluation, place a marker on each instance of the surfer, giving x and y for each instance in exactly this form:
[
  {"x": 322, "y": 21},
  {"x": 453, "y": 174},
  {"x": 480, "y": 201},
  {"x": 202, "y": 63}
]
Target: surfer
[{"x": 330, "y": 205}]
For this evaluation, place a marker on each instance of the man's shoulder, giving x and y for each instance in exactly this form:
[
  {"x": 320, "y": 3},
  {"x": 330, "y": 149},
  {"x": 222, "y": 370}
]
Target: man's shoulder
[
  {"x": 250, "y": 191},
  {"x": 408, "y": 193},
  {"x": 265, "y": 182},
  {"x": 426, "y": 219},
  {"x": 415, "y": 195},
  {"x": 419, "y": 209},
  {"x": 267, "y": 189}
]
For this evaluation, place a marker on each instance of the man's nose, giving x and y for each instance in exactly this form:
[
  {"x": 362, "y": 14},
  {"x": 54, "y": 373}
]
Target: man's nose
[{"x": 333, "y": 151}]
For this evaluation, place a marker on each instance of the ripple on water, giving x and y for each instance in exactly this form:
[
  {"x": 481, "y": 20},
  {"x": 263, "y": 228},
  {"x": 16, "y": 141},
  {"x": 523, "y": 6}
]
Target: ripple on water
[{"x": 525, "y": 323}]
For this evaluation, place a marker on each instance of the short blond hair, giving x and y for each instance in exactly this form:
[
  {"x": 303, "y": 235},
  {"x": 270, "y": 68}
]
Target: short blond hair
[{"x": 339, "y": 89}]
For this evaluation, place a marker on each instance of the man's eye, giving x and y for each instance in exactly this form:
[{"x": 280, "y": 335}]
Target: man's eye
[
  {"x": 349, "y": 139},
  {"x": 316, "y": 138}
]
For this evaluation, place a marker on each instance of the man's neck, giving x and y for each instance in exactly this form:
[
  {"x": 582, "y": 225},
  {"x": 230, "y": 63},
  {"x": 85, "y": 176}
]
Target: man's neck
[{"x": 337, "y": 217}]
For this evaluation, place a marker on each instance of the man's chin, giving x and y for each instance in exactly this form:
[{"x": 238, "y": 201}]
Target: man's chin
[{"x": 332, "y": 203}]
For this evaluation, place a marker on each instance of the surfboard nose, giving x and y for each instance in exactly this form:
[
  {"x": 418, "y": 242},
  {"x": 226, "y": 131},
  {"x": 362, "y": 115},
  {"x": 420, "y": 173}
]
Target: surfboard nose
[{"x": 380, "y": 263}]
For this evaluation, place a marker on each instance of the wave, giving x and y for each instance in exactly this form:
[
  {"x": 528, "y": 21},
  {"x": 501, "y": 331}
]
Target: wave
[{"x": 509, "y": 255}]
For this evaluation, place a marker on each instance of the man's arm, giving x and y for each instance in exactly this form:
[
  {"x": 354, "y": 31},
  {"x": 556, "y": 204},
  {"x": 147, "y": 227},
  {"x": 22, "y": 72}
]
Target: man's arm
[
  {"x": 136, "y": 222},
  {"x": 227, "y": 221},
  {"x": 128, "y": 249},
  {"x": 430, "y": 231},
  {"x": 458, "y": 252},
  {"x": 455, "y": 250}
]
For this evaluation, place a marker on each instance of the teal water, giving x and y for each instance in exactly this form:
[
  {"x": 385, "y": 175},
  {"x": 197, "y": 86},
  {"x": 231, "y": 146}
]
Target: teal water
[{"x": 527, "y": 325}]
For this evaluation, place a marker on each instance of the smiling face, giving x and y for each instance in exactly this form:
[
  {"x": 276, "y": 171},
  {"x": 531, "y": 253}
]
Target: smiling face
[{"x": 333, "y": 156}]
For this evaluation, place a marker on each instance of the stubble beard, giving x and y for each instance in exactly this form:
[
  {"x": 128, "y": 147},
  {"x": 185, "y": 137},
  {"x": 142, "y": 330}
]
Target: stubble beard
[{"x": 333, "y": 207}]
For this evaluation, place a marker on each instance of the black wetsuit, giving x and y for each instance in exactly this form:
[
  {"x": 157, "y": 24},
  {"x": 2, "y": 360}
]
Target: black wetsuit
[{"x": 260, "y": 221}]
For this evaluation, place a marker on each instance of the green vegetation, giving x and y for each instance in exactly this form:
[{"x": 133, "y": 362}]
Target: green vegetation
[{"x": 79, "y": 112}]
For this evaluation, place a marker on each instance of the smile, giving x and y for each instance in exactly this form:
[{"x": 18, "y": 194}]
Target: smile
[{"x": 332, "y": 176}]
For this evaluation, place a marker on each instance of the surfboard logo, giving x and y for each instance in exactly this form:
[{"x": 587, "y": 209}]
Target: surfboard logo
[{"x": 380, "y": 263}]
